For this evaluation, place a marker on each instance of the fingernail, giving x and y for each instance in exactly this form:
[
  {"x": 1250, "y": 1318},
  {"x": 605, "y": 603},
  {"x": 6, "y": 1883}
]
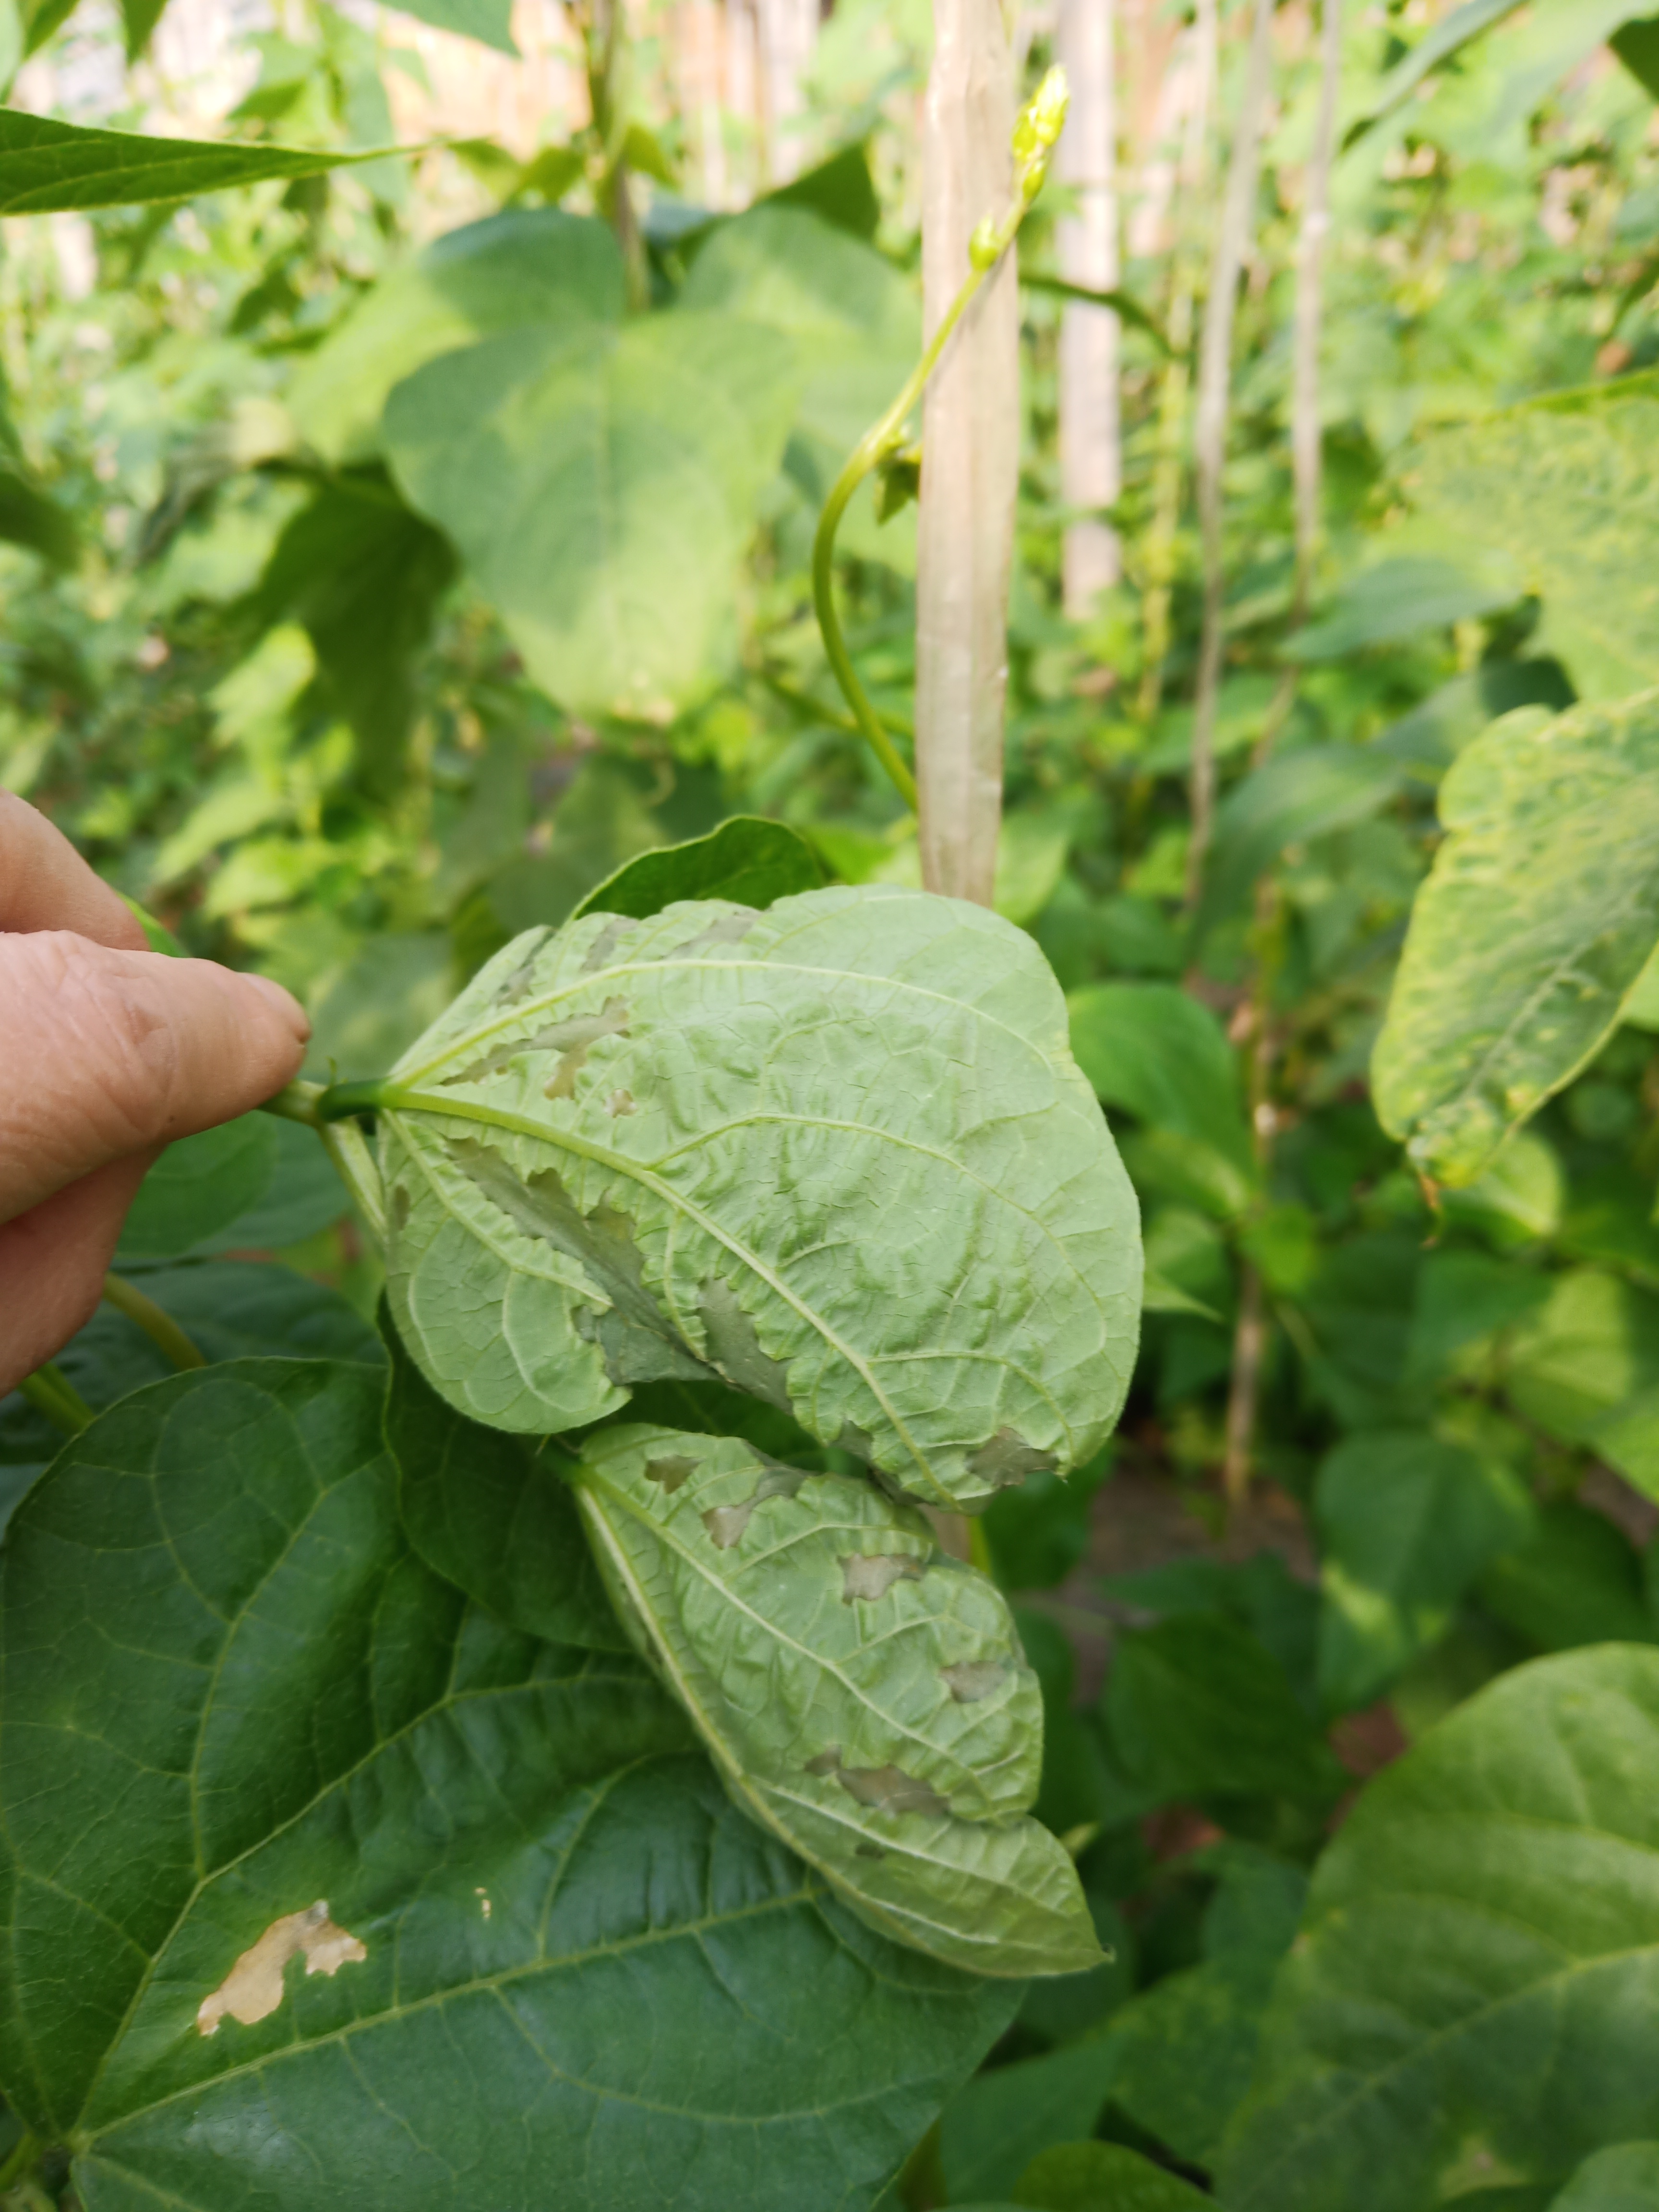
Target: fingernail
[{"x": 283, "y": 1002}]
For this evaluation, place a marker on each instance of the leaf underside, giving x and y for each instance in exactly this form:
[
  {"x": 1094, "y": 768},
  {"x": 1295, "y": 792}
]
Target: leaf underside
[
  {"x": 866, "y": 1695},
  {"x": 836, "y": 1154}
]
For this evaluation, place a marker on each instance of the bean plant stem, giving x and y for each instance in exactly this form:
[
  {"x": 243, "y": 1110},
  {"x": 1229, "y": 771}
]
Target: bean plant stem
[
  {"x": 51, "y": 1393},
  {"x": 163, "y": 1332},
  {"x": 24, "y": 2153}
]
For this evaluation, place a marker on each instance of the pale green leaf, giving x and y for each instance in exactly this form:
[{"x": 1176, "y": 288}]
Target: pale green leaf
[
  {"x": 602, "y": 488},
  {"x": 1624, "y": 2178},
  {"x": 1405, "y": 1522},
  {"x": 531, "y": 266},
  {"x": 865, "y": 1695},
  {"x": 837, "y": 1153},
  {"x": 1474, "y": 1996},
  {"x": 1449, "y": 37},
  {"x": 47, "y": 165},
  {"x": 489, "y": 22},
  {"x": 564, "y": 1961},
  {"x": 1585, "y": 1369},
  {"x": 1541, "y": 914},
  {"x": 1567, "y": 491}
]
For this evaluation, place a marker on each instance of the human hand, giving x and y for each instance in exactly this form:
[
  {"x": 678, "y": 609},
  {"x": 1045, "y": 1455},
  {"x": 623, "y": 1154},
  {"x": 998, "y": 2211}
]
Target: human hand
[{"x": 107, "y": 1053}]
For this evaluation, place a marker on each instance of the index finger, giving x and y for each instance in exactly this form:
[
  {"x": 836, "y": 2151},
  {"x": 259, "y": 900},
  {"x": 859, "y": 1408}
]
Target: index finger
[{"x": 45, "y": 884}]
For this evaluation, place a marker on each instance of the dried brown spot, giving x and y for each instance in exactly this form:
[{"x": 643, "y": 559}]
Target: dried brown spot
[
  {"x": 605, "y": 945},
  {"x": 633, "y": 1334},
  {"x": 671, "y": 1471},
  {"x": 890, "y": 1790},
  {"x": 252, "y": 1990},
  {"x": 871, "y": 1575},
  {"x": 970, "y": 1679},
  {"x": 736, "y": 1350},
  {"x": 1007, "y": 1461},
  {"x": 725, "y": 1524},
  {"x": 574, "y": 1039},
  {"x": 725, "y": 929},
  {"x": 620, "y": 1101},
  {"x": 516, "y": 985}
]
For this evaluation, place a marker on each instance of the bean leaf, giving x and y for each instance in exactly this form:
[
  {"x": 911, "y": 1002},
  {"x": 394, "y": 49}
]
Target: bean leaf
[
  {"x": 1539, "y": 917},
  {"x": 865, "y": 1696},
  {"x": 1472, "y": 1992},
  {"x": 47, "y": 165},
  {"x": 319, "y": 1885},
  {"x": 837, "y": 1154},
  {"x": 748, "y": 860}
]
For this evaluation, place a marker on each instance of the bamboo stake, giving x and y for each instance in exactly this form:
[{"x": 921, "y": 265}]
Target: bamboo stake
[
  {"x": 1209, "y": 432},
  {"x": 1091, "y": 435},
  {"x": 971, "y": 450}
]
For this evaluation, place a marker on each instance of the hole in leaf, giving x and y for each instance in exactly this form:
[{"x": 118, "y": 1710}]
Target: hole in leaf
[
  {"x": 603, "y": 947},
  {"x": 669, "y": 1471},
  {"x": 725, "y": 1524},
  {"x": 1007, "y": 1461},
  {"x": 736, "y": 1350}
]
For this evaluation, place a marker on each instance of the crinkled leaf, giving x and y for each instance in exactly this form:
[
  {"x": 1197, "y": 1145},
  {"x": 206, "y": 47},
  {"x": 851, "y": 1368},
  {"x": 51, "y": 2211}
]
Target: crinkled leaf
[
  {"x": 1542, "y": 911},
  {"x": 601, "y": 485},
  {"x": 1473, "y": 1991},
  {"x": 749, "y": 860},
  {"x": 528, "y": 265},
  {"x": 47, "y": 165},
  {"x": 492, "y": 1513},
  {"x": 1565, "y": 490},
  {"x": 837, "y": 1154},
  {"x": 865, "y": 1695},
  {"x": 545, "y": 1956},
  {"x": 1406, "y": 1521}
]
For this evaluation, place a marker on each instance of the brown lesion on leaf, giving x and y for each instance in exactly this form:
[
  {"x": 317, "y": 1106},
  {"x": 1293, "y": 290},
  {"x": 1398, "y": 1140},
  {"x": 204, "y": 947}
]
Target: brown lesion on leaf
[
  {"x": 619, "y": 1102},
  {"x": 252, "y": 1990},
  {"x": 868, "y": 1851},
  {"x": 726, "y": 1523},
  {"x": 970, "y": 1679},
  {"x": 736, "y": 1350},
  {"x": 634, "y": 1338},
  {"x": 398, "y": 1211},
  {"x": 671, "y": 1470},
  {"x": 871, "y": 1574},
  {"x": 1008, "y": 1460},
  {"x": 573, "y": 1040},
  {"x": 516, "y": 986},
  {"x": 603, "y": 950},
  {"x": 884, "y": 1788},
  {"x": 724, "y": 929}
]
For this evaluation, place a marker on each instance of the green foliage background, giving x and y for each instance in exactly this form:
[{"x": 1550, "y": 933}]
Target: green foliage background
[{"x": 376, "y": 584}]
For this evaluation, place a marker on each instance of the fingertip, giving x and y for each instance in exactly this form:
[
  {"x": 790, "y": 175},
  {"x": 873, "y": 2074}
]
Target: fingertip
[{"x": 282, "y": 1003}]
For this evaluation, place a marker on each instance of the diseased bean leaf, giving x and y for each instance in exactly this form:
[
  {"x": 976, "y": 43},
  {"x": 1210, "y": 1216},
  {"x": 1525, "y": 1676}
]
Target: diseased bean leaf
[
  {"x": 865, "y": 1695},
  {"x": 319, "y": 1886},
  {"x": 1538, "y": 919},
  {"x": 837, "y": 1154}
]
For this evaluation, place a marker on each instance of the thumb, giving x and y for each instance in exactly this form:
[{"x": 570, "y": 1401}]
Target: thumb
[{"x": 118, "y": 1053}]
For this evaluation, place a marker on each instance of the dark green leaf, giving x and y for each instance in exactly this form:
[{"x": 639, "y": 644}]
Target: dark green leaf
[
  {"x": 1577, "y": 1581},
  {"x": 304, "y": 1196},
  {"x": 1154, "y": 1051},
  {"x": 1406, "y": 1523},
  {"x": 31, "y": 517},
  {"x": 1638, "y": 46},
  {"x": 364, "y": 576},
  {"x": 1123, "y": 305},
  {"x": 1539, "y": 917},
  {"x": 489, "y": 22},
  {"x": 1473, "y": 1993},
  {"x": 493, "y": 1514},
  {"x": 839, "y": 189},
  {"x": 1197, "y": 1708},
  {"x": 749, "y": 861},
  {"x": 45, "y": 166},
  {"x": 1296, "y": 796},
  {"x": 992, "y": 2130},
  {"x": 1099, "y": 2177},
  {"x": 198, "y": 1187},
  {"x": 564, "y": 1960},
  {"x": 1039, "y": 1532}
]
